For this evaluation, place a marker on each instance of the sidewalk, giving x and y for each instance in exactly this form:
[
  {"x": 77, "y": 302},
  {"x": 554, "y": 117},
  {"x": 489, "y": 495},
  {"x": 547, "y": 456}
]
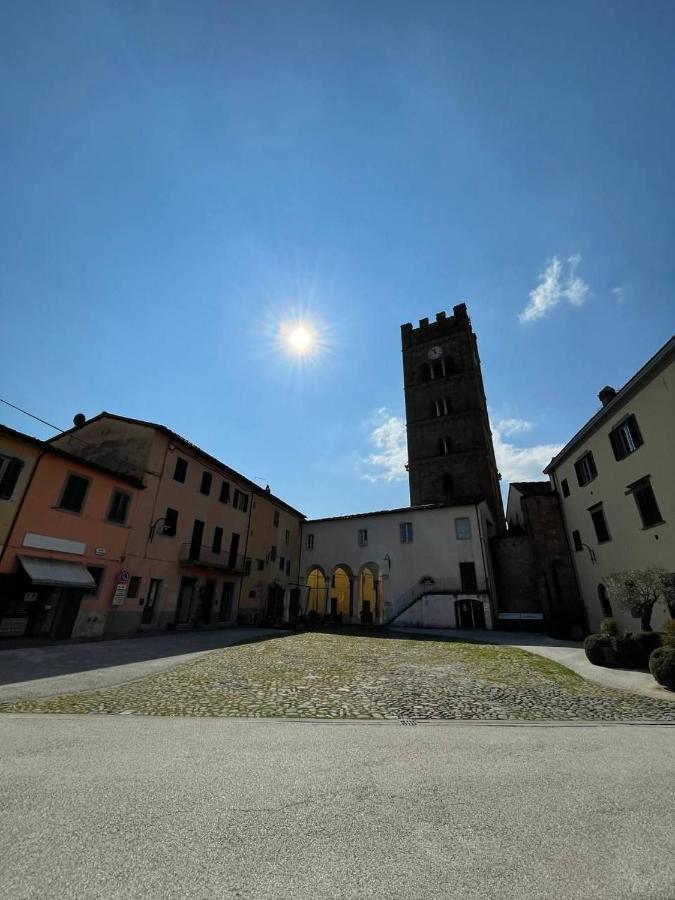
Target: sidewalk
[
  {"x": 34, "y": 672},
  {"x": 566, "y": 653}
]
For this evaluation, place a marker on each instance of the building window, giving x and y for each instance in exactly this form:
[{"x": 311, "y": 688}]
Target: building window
[
  {"x": 74, "y": 492},
  {"x": 605, "y": 605},
  {"x": 287, "y": 537},
  {"x": 247, "y": 565},
  {"x": 96, "y": 573},
  {"x": 309, "y": 542},
  {"x": 180, "y": 471},
  {"x": 240, "y": 500},
  {"x": 282, "y": 563},
  {"x": 217, "y": 539},
  {"x": 576, "y": 540},
  {"x": 252, "y": 594},
  {"x": 273, "y": 553},
  {"x": 170, "y": 522},
  {"x": 405, "y": 532},
  {"x": 225, "y": 492},
  {"x": 599, "y": 523},
  {"x": 625, "y": 438},
  {"x": 467, "y": 574},
  {"x": 438, "y": 369},
  {"x": 276, "y": 518},
  {"x": 134, "y": 587},
  {"x": 10, "y": 469},
  {"x": 425, "y": 373},
  {"x": 363, "y": 537},
  {"x": 585, "y": 469},
  {"x": 645, "y": 501},
  {"x": 119, "y": 506},
  {"x": 445, "y": 445},
  {"x": 205, "y": 486},
  {"x": 260, "y": 564},
  {"x": 441, "y": 407},
  {"x": 448, "y": 486},
  {"x": 463, "y": 528},
  {"x": 565, "y": 488}
]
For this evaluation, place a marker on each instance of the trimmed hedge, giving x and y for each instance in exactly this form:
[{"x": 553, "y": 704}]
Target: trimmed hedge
[
  {"x": 662, "y": 666},
  {"x": 629, "y": 651}
]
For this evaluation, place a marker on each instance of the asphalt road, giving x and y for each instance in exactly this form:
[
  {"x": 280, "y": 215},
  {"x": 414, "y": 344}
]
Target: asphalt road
[{"x": 121, "y": 807}]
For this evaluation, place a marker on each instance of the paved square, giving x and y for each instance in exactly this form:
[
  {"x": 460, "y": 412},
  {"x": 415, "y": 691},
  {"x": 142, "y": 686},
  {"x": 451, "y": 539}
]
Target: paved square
[{"x": 346, "y": 676}]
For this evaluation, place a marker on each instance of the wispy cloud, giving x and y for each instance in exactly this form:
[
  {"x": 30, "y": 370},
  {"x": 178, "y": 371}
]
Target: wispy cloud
[
  {"x": 387, "y": 462},
  {"x": 559, "y": 281},
  {"x": 519, "y": 463},
  {"x": 388, "y": 438},
  {"x": 618, "y": 293}
]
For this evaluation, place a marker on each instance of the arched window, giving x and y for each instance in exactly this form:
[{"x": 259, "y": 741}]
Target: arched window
[
  {"x": 438, "y": 370},
  {"x": 449, "y": 366},
  {"x": 448, "y": 486},
  {"x": 445, "y": 446},
  {"x": 425, "y": 373},
  {"x": 605, "y": 605}
]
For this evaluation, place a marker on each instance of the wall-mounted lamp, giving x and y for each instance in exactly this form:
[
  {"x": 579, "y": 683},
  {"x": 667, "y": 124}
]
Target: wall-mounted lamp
[{"x": 388, "y": 560}]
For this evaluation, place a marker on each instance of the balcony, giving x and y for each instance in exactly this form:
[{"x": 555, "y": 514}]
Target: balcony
[{"x": 206, "y": 558}]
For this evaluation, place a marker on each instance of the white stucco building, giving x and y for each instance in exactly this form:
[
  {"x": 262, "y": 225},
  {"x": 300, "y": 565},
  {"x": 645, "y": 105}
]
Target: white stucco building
[
  {"x": 426, "y": 566},
  {"x": 616, "y": 483}
]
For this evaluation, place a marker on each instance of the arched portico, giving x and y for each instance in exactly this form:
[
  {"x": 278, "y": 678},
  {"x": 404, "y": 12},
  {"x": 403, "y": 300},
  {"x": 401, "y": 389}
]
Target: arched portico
[
  {"x": 369, "y": 593},
  {"x": 317, "y": 591},
  {"x": 342, "y": 592}
]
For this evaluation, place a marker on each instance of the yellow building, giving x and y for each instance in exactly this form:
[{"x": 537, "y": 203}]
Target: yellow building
[{"x": 616, "y": 482}]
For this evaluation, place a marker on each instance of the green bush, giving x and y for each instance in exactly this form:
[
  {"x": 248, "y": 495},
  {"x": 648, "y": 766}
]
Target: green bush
[
  {"x": 662, "y": 666},
  {"x": 668, "y": 636},
  {"x": 628, "y": 651},
  {"x": 595, "y": 647},
  {"x": 609, "y": 626}
]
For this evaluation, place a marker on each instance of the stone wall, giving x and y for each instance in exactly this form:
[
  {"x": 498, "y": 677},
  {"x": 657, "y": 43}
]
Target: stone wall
[{"x": 514, "y": 567}]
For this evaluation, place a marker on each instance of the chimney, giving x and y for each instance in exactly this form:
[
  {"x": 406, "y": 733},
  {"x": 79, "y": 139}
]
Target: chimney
[{"x": 606, "y": 394}]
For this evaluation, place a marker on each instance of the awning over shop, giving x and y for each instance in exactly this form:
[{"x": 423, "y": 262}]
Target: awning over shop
[{"x": 57, "y": 572}]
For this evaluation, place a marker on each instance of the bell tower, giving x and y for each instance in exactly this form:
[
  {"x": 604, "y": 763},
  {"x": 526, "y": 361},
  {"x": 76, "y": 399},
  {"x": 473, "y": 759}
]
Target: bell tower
[{"x": 451, "y": 458}]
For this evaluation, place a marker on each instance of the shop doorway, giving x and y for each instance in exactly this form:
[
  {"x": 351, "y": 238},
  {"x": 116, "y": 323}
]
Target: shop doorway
[{"x": 185, "y": 598}]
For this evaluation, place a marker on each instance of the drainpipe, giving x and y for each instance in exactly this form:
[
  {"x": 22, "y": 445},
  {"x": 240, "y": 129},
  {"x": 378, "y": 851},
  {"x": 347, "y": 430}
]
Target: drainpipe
[
  {"x": 21, "y": 502},
  {"x": 485, "y": 568},
  {"x": 248, "y": 534}
]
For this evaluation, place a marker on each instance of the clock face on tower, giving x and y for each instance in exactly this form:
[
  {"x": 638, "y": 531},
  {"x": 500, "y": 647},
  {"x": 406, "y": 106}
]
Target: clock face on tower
[{"x": 435, "y": 353}]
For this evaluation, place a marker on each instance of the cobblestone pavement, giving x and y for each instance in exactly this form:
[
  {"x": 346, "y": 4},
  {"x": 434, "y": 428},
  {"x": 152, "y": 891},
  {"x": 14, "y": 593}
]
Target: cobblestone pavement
[{"x": 344, "y": 676}]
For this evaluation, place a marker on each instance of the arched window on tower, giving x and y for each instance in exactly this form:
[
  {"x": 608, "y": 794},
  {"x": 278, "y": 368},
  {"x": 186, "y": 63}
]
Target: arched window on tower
[
  {"x": 445, "y": 446},
  {"x": 605, "y": 605},
  {"x": 425, "y": 373},
  {"x": 449, "y": 366},
  {"x": 438, "y": 369},
  {"x": 448, "y": 486}
]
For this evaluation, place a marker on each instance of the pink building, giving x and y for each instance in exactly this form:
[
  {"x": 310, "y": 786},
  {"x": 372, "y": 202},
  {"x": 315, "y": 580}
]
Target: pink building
[{"x": 64, "y": 527}]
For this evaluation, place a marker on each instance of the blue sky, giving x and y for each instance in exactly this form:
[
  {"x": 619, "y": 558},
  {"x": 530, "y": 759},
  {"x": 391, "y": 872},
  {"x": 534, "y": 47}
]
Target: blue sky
[{"x": 180, "y": 178}]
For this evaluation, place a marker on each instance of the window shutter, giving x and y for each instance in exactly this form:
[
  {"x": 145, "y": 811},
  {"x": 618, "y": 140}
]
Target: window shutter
[
  {"x": 615, "y": 441},
  {"x": 10, "y": 478}
]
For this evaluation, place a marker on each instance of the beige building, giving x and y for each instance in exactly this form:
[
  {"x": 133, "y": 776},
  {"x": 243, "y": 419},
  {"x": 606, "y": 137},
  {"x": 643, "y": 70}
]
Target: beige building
[
  {"x": 425, "y": 566},
  {"x": 616, "y": 483},
  {"x": 205, "y": 543}
]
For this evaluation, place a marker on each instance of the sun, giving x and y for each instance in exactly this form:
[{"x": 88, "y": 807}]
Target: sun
[{"x": 300, "y": 339}]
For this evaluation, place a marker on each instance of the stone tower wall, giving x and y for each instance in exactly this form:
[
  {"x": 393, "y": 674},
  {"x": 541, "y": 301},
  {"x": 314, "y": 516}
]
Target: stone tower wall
[{"x": 465, "y": 470}]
